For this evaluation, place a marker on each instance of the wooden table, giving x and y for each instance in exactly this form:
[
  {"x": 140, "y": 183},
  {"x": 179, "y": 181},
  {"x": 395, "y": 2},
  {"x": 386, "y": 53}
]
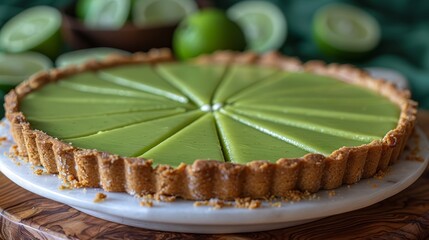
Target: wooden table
[{"x": 24, "y": 215}]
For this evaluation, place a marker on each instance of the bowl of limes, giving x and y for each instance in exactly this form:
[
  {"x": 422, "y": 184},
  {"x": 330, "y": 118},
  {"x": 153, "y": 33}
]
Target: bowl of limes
[{"x": 132, "y": 25}]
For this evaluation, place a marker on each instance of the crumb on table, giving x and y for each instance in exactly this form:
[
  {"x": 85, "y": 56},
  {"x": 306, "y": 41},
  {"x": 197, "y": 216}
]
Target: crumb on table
[
  {"x": 157, "y": 197},
  {"x": 272, "y": 201},
  {"x": 214, "y": 203},
  {"x": 65, "y": 187},
  {"x": 276, "y": 204},
  {"x": 38, "y": 171},
  {"x": 100, "y": 197},
  {"x": 332, "y": 193},
  {"x": 13, "y": 151},
  {"x": 297, "y": 196},
  {"x": 146, "y": 203},
  {"x": 247, "y": 203},
  {"x": 381, "y": 173},
  {"x": 164, "y": 198}
]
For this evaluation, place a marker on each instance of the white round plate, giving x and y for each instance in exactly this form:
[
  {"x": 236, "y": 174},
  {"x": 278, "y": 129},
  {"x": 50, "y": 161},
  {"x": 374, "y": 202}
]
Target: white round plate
[
  {"x": 183, "y": 216},
  {"x": 390, "y": 75}
]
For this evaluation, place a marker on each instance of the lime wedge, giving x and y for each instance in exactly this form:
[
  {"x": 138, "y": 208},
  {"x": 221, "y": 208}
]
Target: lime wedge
[
  {"x": 80, "y": 56},
  {"x": 14, "y": 68},
  {"x": 345, "y": 31},
  {"x": 263, "y": 23},
  {"x": 35, "y": 29},
  {"x": 104, "y": 14},
  {"x": 151, "y": 12}
]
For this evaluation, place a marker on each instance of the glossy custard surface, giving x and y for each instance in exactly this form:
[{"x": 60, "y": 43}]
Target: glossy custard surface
[{"x": 180, "y": 112}]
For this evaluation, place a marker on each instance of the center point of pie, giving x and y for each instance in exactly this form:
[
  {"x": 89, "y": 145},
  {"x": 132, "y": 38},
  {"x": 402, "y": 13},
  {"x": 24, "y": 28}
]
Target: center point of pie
[{"x": 211, "y": 108}]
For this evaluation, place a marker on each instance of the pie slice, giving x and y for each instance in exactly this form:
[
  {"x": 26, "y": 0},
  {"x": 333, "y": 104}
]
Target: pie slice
[
  {"x": 91, "y": 83},
  {"x": 257, "y": 144},
  {"x": 363, "y": 129},
  {"x": 339, "y": 92},
  {"x": 315, "y": 142},
  {"x": 240, "y": 77},
  {"x": 197, "y": 82},
  {"x": 381, "y": 108},
  {"x": 88, "y": 125},
  {"x": 143, "y": 78},
  {"x": 48, "y": 108},
  {"x": 138, "y": 139},
  {"x": 286, "y": 82},
  {"x": 63, "y": 93},
  {"x": 358, "y": 114},
  {"x": 199, "y": 140}
]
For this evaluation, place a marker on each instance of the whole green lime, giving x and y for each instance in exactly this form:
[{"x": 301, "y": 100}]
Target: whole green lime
[{"x": 205, "y": 32}]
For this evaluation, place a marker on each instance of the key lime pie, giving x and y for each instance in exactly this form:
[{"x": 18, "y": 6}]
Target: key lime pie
[{"x": 225, "y": 126}]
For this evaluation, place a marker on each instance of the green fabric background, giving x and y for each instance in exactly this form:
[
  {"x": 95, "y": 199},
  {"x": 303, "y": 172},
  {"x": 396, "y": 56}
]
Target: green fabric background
[{"x": 405, "y": 34}]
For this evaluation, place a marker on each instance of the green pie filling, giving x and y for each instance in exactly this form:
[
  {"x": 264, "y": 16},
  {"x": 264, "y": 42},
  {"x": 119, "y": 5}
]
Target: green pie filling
[{"x": 178, "y": 112}]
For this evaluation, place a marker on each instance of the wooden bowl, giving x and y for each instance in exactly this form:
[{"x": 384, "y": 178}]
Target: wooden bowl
[{"x": 129, "y": 37}]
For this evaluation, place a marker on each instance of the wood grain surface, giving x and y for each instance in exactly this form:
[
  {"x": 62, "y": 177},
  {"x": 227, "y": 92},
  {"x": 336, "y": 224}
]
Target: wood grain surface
[{"x": 24, "y": 215}]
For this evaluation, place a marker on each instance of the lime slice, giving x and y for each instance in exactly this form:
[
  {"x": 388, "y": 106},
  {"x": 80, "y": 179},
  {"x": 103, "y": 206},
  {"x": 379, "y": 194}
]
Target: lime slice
[
  {"x": 345, "y": 31},
  {"x": 263, "y": 23},
  {"x": 104, "y": 14},
  {"x": 15, "y": 68},
  {"x": 80, "y": 56},
  {"x": 35, "y": 29},
  {"x": 150, "y": 12}
]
